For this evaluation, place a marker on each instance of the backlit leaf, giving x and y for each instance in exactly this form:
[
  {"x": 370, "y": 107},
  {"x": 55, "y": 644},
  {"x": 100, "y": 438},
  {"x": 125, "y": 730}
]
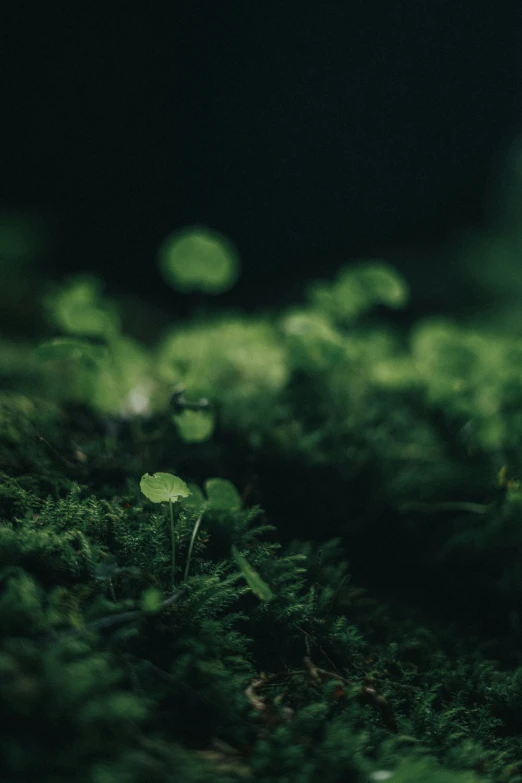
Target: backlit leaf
[{"x": 163, "y": 487}]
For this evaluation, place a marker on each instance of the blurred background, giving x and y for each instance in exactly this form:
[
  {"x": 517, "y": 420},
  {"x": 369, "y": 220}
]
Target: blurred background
[{"x": 312, "y": 134}]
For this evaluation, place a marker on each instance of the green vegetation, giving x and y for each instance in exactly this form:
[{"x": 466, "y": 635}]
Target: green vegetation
[
  {"x": 165, "y": 488},
  {"x": 232, "y": 639}
]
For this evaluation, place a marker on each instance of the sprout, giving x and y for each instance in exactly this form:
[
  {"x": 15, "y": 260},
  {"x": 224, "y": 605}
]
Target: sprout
[
  {"x": 163, "y": 488},
  {"x": 198, "y": 259}
]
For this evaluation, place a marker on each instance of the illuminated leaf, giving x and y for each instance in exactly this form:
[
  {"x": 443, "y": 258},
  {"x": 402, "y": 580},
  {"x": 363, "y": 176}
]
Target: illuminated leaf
[{"x": 163, "y": 487}]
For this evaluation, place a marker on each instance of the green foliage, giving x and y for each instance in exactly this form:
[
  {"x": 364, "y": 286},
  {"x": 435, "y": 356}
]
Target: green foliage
[
  {"x": 222, "y": 495},
  {"x": 357, "y": 289},
  {"x": 237, "y": 363},
  {"x": 401, "y": 450},
  {"x": 75, "y": 713},
  {"x": 109, "y": 371},
  {"x": 163, "y": 487},
  {"x": 195, "y": 426},
  {"x": 78, "y": 308},
  {"x": 198, "y": 259},
  {"x": 254, "y": 581},
  {"x": 313, "y": 342}
]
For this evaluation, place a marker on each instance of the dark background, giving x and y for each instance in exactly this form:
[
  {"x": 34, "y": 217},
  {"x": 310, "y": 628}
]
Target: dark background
[{"x": 311, "y": 133}]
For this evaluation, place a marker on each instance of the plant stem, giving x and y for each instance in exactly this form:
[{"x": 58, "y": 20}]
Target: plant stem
[
  {"x": 173, "y": 538},
  {"x": 193, "y": 538}
]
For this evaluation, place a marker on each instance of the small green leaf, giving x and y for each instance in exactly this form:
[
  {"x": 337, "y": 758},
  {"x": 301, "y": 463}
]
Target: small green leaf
[
  {"x": 198, "y": 259},
  {"x": 163, "y": 487},
  {"x": 151, "y": 600},
  {"x": 194, "y": 426},
  {"x": 222, "y": 495},
  {"x": 256, "y": 584}
]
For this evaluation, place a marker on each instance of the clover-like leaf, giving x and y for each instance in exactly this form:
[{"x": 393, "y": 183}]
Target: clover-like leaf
[
  {"x": 222, "y": 495},
  {"x": 254, "y": 581},
  {"x": 163, "y": 487},
  {"x": 199, "y": 259}
]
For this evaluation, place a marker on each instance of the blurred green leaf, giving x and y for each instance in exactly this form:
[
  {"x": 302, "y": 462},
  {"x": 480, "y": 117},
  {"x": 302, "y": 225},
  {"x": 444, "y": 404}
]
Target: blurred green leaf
[
  {"x": 151, "y": 600},
  {"x": 222, "y": 494},
  {"x": 198, "y": 259},
  {"x": 78, "y": 308},
  {"x": 194, "y": 426}
]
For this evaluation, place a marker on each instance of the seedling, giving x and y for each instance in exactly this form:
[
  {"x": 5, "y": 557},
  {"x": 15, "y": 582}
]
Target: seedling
[
  {"x": 163, "y": 488},
  {"x": 221, "y": 495}
]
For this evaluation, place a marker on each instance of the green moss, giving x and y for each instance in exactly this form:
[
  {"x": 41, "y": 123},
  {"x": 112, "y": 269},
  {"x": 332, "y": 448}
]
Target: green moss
[{"x": 365, "y": 480}]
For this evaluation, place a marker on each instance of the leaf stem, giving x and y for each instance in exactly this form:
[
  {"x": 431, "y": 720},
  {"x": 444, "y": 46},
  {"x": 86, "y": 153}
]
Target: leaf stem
[
  {"x": 193, "y": 538},
  {"x": 173, "y": 538}
]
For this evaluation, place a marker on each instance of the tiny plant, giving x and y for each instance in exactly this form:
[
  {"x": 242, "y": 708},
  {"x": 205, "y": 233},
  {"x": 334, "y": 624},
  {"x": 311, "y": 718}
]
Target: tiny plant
[{"x": 163, "y": 488}]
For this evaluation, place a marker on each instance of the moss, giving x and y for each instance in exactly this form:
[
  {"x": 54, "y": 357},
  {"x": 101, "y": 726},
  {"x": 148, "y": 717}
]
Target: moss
[{"x": 375, "y": 493}]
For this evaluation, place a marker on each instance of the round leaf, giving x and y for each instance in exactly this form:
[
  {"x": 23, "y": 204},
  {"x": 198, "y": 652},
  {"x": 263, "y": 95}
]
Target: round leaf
[
  {"x": 163, "y": 487},
  {"x": 198, "y": 259},
  {"x": 194, "y": 426},
  {"x": 222, "y": 495}
]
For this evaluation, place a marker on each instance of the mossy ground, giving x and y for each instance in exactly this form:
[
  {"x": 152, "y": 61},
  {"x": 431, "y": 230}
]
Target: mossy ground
[{"x": 379, "y": 501}]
